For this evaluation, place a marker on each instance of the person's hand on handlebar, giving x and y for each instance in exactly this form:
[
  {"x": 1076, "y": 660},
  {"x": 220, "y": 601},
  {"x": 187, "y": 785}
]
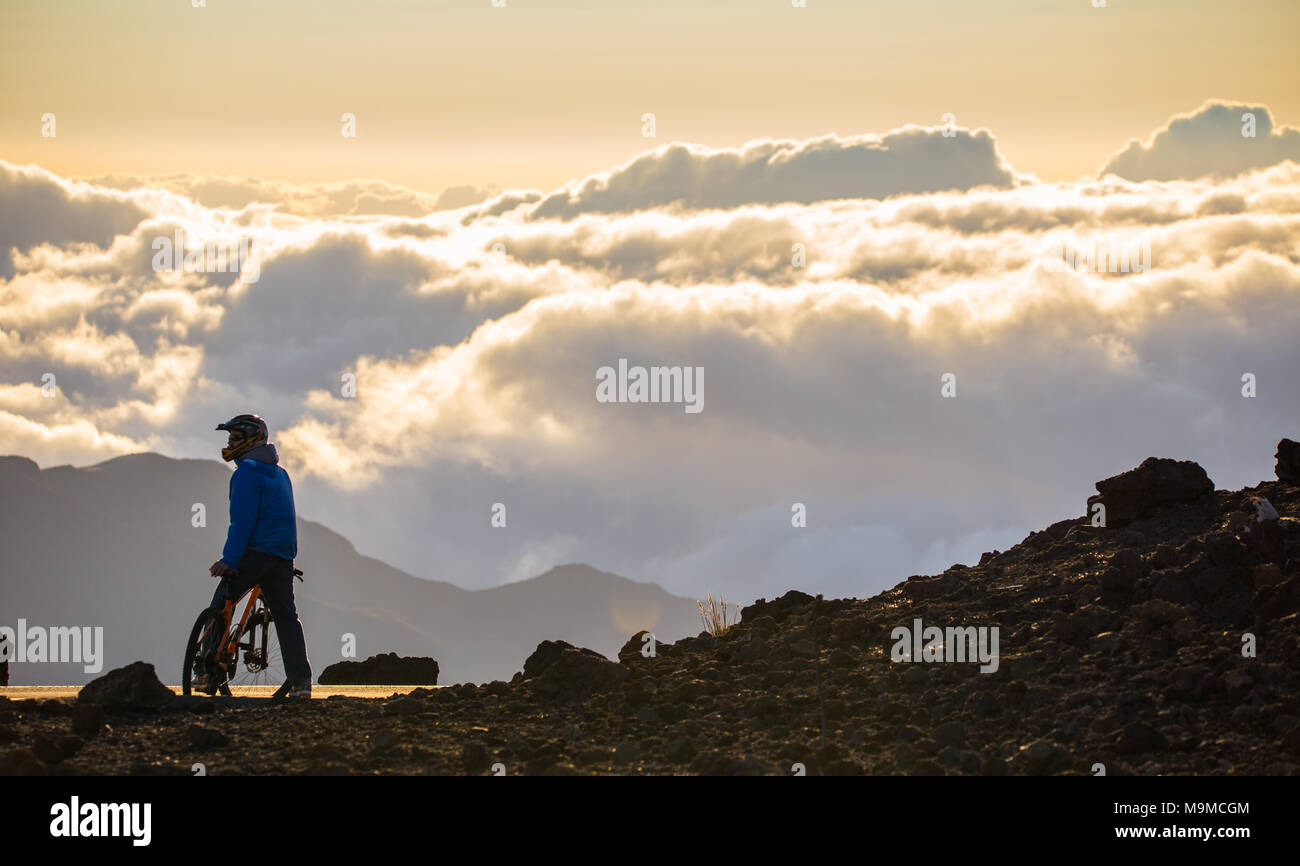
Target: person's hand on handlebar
[{"x": 220, "y": 569}]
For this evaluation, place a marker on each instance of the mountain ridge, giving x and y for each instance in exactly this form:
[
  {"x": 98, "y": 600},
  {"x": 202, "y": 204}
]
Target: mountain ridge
[{"x": 102, "y": 543}]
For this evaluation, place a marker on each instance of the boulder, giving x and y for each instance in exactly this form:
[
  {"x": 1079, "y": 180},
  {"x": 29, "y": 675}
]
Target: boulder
[
  {"x": 1288, "y": 461},
  {"x": 778, "y": 609},
  {"x": 637, "y": 644},
  {"x": 918, "y": 588},
  {"x": 1158, "y": 483},
  {"x": 558, "y": 670},
  {"x": 134, "y": 687},
  {"x": 385, "y": 669},
  {"x": 548, "y": 652}
]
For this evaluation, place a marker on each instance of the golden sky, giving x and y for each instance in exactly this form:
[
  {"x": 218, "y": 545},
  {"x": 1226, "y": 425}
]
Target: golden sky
[{"x": 539, "y": 92}]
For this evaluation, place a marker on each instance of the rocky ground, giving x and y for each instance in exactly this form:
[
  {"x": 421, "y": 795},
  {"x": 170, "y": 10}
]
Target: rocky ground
[{"x": 1167, "y": 641}]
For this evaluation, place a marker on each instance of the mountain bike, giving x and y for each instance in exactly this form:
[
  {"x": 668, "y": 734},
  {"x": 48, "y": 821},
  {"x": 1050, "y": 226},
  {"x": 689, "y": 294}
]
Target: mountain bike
[{"x": 229, "y": 652}]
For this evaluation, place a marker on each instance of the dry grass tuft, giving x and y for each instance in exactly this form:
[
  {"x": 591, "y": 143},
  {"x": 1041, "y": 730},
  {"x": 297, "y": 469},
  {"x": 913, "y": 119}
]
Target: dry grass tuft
[{"x": 718, "y": 617}]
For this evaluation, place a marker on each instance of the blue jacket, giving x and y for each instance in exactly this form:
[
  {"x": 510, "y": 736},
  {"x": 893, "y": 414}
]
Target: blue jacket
[{"x": 261, "y": 508}]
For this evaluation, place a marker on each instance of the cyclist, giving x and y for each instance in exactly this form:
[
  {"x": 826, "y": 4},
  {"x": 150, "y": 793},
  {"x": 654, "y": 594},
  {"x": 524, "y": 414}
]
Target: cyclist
[{"x": 261, "y": 543}]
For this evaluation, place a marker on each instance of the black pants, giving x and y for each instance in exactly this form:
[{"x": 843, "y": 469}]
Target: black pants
[{"x": 275, "y": 576}]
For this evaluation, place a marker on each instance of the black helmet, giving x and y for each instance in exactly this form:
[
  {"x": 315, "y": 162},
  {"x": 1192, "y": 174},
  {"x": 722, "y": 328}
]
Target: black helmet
[{"x": 246, "y": 433}]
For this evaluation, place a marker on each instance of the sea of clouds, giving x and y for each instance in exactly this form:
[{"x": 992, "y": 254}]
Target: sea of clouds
[{"x": 825, "y": 287}]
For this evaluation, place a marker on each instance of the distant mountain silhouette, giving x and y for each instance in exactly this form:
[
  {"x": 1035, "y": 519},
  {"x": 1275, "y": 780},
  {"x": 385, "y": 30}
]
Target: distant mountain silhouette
[{"x": 112, "y": 545}]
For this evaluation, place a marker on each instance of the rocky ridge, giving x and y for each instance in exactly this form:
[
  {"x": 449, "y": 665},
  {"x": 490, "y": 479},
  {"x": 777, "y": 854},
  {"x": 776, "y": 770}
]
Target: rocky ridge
[{"x": 1168, "y": 642}]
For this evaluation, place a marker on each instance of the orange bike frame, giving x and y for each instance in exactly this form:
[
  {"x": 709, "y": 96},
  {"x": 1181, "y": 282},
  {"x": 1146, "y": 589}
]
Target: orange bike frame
[{"x": 228, "y": 611}]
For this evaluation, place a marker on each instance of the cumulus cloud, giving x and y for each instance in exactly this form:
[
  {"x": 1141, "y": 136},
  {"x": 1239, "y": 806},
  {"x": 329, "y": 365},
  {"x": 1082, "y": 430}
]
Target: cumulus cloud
[
  {"x": 909, "y": 160},
  {"x": 41, "y": 208},
  {"x": 823, "y": 315},
  {"x": 369, "y": 197},
  {"x": 1211, "y": 141}
]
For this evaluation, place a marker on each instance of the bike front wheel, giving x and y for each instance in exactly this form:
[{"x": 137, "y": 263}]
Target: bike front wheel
[
  {"x": 196, "y": 661},
  {"x": 260, "y": 662}
]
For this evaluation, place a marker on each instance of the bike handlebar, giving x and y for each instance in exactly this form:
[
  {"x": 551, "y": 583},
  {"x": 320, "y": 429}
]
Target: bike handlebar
[{"x": 234, "y": 573}]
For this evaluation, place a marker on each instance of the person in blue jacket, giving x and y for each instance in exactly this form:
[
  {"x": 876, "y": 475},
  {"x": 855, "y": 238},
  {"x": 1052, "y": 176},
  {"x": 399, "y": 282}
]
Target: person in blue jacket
[{"x": 262, "y": 541}]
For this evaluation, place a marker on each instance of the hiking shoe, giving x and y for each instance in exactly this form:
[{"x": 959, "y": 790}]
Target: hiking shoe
[
  {"x": 201, "y": 683},
  {"x": 300, "y": 690}
]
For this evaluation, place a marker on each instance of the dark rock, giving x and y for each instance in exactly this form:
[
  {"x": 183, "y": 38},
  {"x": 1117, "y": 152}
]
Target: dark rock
[
  {"x": 1288, "y": 461},
  {"x": 986, "y": 705},
  {"x": 475, "y": 757},
  {"x": 205, "y": 738},
  {"x": 1213, "y": 582},
  {"x": 574, "y": 673},
  {"x": 1190, "y": 684},
  {"x": 930, "y": 588},
  {"x": 22, "y": 762},
  {"x": 627, "y": 753},
  {"x": 1157, "y": 613},
  {"x": 1140, "y": 738},
  {"x": 950, "y": 734},
  {"x": 405, "y": 705},
  {"x": 134, "y": 687},
  {"x": 680, "y": 750},
  {"x": 1155, "y": 485},
  {"x": 46, "y": 750},
  {"x": 748, "y": 766},
  {"x": 1171, "y": 585},
  {"x": 70, "y": 746},
  {"x": 1087, "y": 621},
  {"x": 631, "y": 651},
  {"x": 548, "y": 652},
  {"x": 87, "y": 719},
  {"x": 965, "y": 760},
  {"x": 765, "y": 705},
  {"x": 1290, "y": 742},
  {"x": 778, "y": 609},
  {"x": 841, "y": 658},
  {"x": 1278, "y": 600},
  {"x": 1040, "y": 758},
  {"x": 385, "y": 669},
  {"x": 1121, "y": 575}
]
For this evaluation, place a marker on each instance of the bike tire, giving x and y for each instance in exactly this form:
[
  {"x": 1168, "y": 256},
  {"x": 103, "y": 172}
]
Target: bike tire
[
  {"x": 192, "y": 648},
  {"x": 260, "y": 629}
]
